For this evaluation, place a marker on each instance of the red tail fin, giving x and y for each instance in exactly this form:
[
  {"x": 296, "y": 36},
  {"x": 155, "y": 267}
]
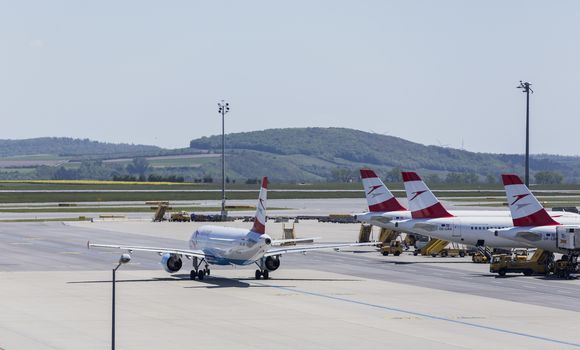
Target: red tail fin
[
  {"x": 524, "y": 207},
  {"x": 422, "y": 202},
  {"x": 260, "y": 217},
  {"x": 379, "y": 198}
]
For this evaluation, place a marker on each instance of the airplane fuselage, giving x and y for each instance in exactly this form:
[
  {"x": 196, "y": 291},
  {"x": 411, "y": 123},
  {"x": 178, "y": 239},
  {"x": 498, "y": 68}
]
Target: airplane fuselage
[
  {"x": 469, "y": 230},
  {"x": 226, "y": 246},
  {"x": 464, "y": 229}
]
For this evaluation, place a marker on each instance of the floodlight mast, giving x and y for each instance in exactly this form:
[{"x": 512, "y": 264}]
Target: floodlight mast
[
  {"x": 223, "y": 108},
  {"x": 125, "y": 258},
  {"x": 525, "y": 86}
]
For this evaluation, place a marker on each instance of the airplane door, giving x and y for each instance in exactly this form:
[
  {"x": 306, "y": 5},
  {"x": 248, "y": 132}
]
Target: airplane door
[{"x": 456, "y": 233}]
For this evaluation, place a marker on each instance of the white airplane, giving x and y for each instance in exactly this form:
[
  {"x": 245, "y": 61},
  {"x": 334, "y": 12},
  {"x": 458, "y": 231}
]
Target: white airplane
[
  {"x": 533, "y": 225},
  {"x": 428, "y": 217},
  {"x": 220, "y": 245},
  {"x": 384, "y": 207}
]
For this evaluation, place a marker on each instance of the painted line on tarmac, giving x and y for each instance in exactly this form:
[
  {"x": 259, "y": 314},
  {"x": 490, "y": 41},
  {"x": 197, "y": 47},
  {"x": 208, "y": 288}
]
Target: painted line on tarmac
[{"x": 433, "y": 317}]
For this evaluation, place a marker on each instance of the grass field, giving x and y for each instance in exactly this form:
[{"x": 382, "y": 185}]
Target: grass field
[
  {"x": 32, "y": 191},
  {"x": 126, "y": 209}
]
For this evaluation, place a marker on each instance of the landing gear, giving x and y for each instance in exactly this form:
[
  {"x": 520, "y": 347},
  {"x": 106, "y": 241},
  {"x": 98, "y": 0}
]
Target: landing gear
[
  {"x": 196, "y": 272},
  {"x": 265, "y": 274},
  {"x": 262, "y": 272}
]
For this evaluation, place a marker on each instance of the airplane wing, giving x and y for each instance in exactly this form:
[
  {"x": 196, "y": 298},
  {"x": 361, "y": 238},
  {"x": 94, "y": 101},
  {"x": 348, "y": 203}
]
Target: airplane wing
[
  {"x": 295, "y": 240},
  {"x": 280, "y": 251},
  {"x": 181, "y": 252}
]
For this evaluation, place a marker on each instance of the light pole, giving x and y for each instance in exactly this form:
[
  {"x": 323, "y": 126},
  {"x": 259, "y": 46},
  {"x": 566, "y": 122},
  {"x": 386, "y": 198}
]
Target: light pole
[
  {"x": 125, "y": 258},
  {"x": 224, "y": 107},
  {"x": 526, "y": 89}
]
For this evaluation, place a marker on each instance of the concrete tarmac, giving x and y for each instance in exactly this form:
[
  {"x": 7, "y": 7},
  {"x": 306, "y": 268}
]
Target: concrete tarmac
[{"x": 56, "y": 295}]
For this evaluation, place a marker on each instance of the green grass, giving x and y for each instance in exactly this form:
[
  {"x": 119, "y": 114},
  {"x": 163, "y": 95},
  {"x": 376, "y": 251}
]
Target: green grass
[
  {"x": 48, "y": 219},
  {"x": 127, "y": 209}
]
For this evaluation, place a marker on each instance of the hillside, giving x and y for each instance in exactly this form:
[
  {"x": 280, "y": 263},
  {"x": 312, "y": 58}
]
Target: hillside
[
  {"x": 65, "y": 146},
  {"x": 286, "y": 155},
  {"x": 310, "y": 154}
]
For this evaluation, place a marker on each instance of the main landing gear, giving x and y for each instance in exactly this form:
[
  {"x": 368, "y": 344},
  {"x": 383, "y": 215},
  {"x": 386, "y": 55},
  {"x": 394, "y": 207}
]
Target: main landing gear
[
  {"x": 197, "y": 272},
  {"x": 262, "y": 272}
]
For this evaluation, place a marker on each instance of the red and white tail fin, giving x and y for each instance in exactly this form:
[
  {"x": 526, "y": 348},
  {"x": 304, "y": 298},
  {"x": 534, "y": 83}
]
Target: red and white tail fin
[
  {"x": 422, "y": 202},
  {"x": 260, "y": 218},
  {"x": 379, "y": 198},
  {"x": 525, "y": 208}
]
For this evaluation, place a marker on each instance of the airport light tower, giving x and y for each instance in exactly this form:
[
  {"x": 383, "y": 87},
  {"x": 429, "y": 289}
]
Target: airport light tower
[
  {"x": 125, "y": 258},
  {"x": 525, "y": 86},
  {"x": 223, "y": 108}
]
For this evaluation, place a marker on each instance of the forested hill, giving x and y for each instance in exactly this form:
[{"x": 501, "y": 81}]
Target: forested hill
[
  {"x": 317, "y": 151},
  {"x": 65, "y": 146}
]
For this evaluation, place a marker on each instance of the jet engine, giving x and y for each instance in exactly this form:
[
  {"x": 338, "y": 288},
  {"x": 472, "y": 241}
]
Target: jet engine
[
  {"x": 171, "y": 262},
  {"x": 272, "y": 263}
]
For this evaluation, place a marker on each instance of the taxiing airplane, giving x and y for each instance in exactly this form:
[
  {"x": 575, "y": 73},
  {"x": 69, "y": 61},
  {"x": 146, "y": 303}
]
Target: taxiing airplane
[{"x": 220, "y": 245}]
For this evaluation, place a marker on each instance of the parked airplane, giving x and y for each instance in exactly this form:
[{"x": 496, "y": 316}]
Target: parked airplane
[
  {"x": 220, "y": 245},
  {"x": 430, "y": 218},
  {"x": 427, "y": 216},
  {"x": 384, "y": 207},
  {"x": 533, "y": 226}
]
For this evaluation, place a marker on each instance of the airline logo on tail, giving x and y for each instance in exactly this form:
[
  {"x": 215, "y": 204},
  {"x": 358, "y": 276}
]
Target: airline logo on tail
[
  {"x": 422, "y": 202},
  {"x": 520, "y": 196},
  {"x": 260, "y": 218},
  {"x": 524, "y": 207},
  {"x": 418, "y": 193},
  {"x": 379, "y": 198},
  {"x": 373, "y": 188}
]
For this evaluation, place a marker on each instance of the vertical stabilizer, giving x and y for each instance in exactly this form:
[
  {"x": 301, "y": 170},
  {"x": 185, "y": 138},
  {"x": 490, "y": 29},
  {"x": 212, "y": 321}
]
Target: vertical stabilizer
[
  {"x": 524, "y": 207},
  {"x": 260, "y": 218},
  {"x": 379, "y": 198},
  {"x": 422, "y": 202}
]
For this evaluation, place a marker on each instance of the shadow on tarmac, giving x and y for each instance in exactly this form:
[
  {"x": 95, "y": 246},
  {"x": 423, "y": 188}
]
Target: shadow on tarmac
[
  {"x": 424, "y": 262},
  {"x": 210, "y": 282}
]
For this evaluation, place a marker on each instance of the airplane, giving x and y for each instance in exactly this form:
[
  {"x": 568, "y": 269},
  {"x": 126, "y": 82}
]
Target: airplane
[
  {"x": 428, "y": 217},
  {"x": 218, "y": 245},
  {"x": 384, "y": 207},
  {"x": 533, "y": 226}
]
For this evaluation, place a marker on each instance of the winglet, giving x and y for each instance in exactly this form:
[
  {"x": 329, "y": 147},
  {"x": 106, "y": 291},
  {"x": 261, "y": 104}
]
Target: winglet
[
  {"x": 379, "y": 198},
  {"x": 422, "y": 202},
  {"x": 260, "y": 217},
  {"x": 524, "y": 207}
]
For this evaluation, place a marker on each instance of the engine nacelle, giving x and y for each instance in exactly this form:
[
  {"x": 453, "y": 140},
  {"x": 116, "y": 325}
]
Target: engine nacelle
[
  {"x": 171, "y": 263},
  {"x": 272, "y": 263}
]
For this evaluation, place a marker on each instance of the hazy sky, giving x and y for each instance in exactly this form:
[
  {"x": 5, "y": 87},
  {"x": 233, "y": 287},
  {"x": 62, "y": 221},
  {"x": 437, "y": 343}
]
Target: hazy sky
[{"x": 434, "y": 72}]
